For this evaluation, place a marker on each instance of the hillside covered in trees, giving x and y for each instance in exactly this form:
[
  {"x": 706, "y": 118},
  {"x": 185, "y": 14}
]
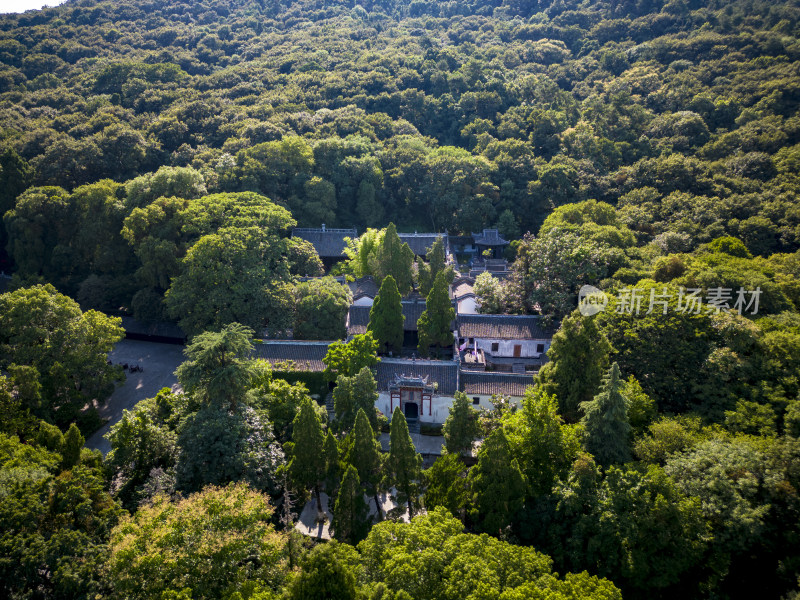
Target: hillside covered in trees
[{"x": 155, "y": 155}]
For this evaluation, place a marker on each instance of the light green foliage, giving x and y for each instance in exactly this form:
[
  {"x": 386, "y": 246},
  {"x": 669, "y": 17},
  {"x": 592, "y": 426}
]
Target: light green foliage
[
  {"x": 307, "y": 467},
  {"x": 234, "y": 275},
  {"x": 350, "y": 513},
  {"x": 461, "y": 427},
  {"x": 435, "y": 322},
  {"x": 491, "y": 294},
  {"x": 280, "y": 400},
  {"x": 181, "y": 182},
  {"x": 641, "y": 408},
  {"x": 592, "y": 220},
  {"x": 348, "y": 358},
  {"x": 219, "y": 368},
  {"x": 542, "y": 444},
  {"x": 497, "y": 486},
  {"x": 446, "y": 485},
  {"x": 217, "y": 447},
  {"x": 386, "y": 317},
  {"x": 71, "y": 448},
  {"x": 667, "y": 436},
  {"x": 403, "y": 465},
  {"x": 43, "y": 329},
  {"x": 448, "y": 564},
  {"x": 752, "y": 418},
  {"x": 427, "y": 272},
  {"x": 323, "y": 576},
  {"x": 321, "y": 309},
  {"x": 579, "y": 355},
  {"x": 392, "y": 257},
  {"x": 215, "y": 543},
  {"x": 354, "y": 394},
  {"x": 606, "y": 421}
]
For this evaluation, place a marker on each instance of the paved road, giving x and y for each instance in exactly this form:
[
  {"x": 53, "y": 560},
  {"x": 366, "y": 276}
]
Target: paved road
[{"x": 158, "y": 362}]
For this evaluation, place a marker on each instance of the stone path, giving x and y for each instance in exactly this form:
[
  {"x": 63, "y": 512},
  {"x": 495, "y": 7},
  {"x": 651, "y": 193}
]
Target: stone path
[{"x": 158, "y": 362}]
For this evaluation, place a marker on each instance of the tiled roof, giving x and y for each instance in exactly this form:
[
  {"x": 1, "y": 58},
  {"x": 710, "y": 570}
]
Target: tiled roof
[
  {"x": 327, "y": 242},
  {"x": 483, "y": 383},
  {"x": 162, "y": 330},
  {"x": 304, "y": 356},
  {"x": 503, "y": 327},
  {"x": 358, "y": 316},
  {"x": 442, "y": 372},
  {"x": 364, "y": 286},
  {"x": 461, "y": 287},
  {"x": 489, "y": 237},
  {"x": 420, "y": 243}
]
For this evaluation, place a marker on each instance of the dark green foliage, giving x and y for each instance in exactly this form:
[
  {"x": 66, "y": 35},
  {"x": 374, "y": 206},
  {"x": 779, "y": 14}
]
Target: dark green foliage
[
  {"x": 71, "y": 448},
  {"x": 307, "y": 467},
  {"x": 350, "y": 513},
  {"x": 497, "y": 487},
  {"x": 606, "y": 421},
  {"x": 354, "y": 394},
  {"x": 323, "y": 576},
  {"x": 578, "y": 358},
  {"x": 446, "y": 485},
  {"x": 386, "y": 317},
  {"x": 435, "y": 323},
  {"x": 365, "y": 455},
  {"x": 330, "y": 451},
  {"x": 403, "y": 465},
  {"x": 461, "y": 427},
  {"x": 320, "y": 309}
]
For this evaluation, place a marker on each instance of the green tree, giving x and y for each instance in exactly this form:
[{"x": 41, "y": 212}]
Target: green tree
[
  {"x": 71, "y": 449},
  {"x": 579, "y": 355},
  {"x": 350, "y": 513},
  {"x": 365, "y": 455},
  {"x": 491, "y": 294},
  {"x": 394, "y": 258},
  {"x": 233, "y": 275},
  {"x": 461, "y": 427},
  {"x": 641, "y": 407},
  {"x": 323, "y": 576},
  {"x": 321, "y": 309},
  {"x": 306, "y": 468},
  {"x": 606, "y": 422},
  {"x": 403, "y": 465},
  {"x": 219, "y": 369},
  {"x": 214, "y": 543},
  {"x": 435, "y": 322},
  {"x": 497, "y": 486},
  {"x": 349, "y": 358},
  {"x": 427, "y": 272},
  {"x": 330, "y": 451},
  {"x": 68, "y": 348},
  {"x": 386, "y": 317},
  {"x": 446, "y": 485},
  {"x": 353, "y": 394},
  {"x": 15, "y": 177}
]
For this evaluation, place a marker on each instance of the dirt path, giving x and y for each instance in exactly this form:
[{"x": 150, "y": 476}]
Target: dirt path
[{"x": 158, "y": 362}]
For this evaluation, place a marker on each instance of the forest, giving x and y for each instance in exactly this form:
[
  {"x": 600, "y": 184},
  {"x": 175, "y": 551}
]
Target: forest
[{"x": 154, "y": 157}]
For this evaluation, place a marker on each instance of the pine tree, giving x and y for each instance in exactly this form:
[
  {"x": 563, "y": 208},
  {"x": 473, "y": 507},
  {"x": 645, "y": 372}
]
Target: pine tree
[
  {"x": 350, "y": 513},
  {"x": 386, "y": 317},
  {"x": 403, "y": 466},
  {"x": 435, "y": 323},
  {"x": 306, "y": 468},
  {"x": 461, "y": 427},
  {"x": 330, "y": 452},
  {"x": 352, "y": 394},
  {"x": 395, "y": 258},
  {"x": 365, "y": 456},
  {"x": 578, "y": 357},
  {"x": 496, "y": 484},
  {"x": 606, "y": 422},
  {"x": 71, "y": 449}
]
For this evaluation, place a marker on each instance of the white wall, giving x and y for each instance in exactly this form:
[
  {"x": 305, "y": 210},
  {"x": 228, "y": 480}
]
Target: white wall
[
  {"x": 506, "y": 347},
  {"x": 467, "y": 306},
  {"x": 440, "y": 406}
]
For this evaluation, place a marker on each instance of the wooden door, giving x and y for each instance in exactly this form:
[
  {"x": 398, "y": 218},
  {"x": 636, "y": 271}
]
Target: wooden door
[{"x": 517, "y": 350}]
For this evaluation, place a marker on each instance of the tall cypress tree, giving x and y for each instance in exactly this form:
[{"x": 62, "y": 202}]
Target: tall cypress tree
[
  {"x": 350, "y": 513},
  {"x": 395, "y": 258},
  {"x": 497, "y": 485},
  {"x": 386, "y": 317},
  {"x": 365, "y": 456},
  {"x": 403, "y": 466},
  {"x": 330, "y": 453},
  {"x": 352, "y": 394},
  {"x": 606, "y": 422},
  {"x": 461, "y": 427},
  {"x": 435, "y": 323},
  {"x": 307, "y": 467}
]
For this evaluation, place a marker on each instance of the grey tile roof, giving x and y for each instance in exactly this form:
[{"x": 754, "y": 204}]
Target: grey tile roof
[
  {"x": 163, "y": 330},
  {"x": 503, "y": 327},
  {"x": 482, "y": 383},
  {"x": 327, "y": 242},
  {"x": 489, "y": 237},
  {"x": 420, "y": 243},
  {"x": 358, "y": 316},
  {"x": 442, "y": 372},
  {"x": 304, "y": 356},
  {"x": 461, "y": 286},
  {"x": 364, "y": 286}
]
